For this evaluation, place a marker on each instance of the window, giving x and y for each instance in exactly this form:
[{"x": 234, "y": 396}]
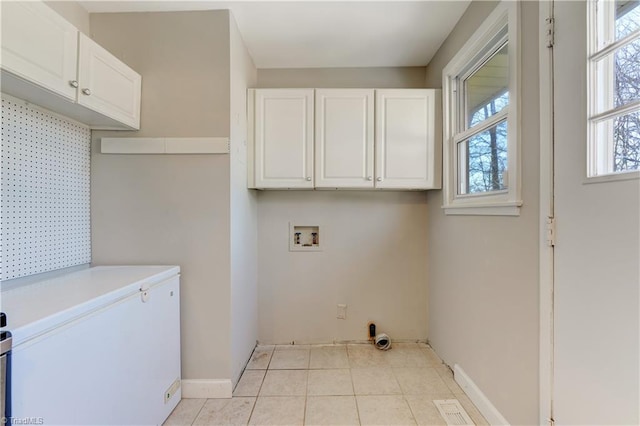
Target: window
[
  {"x": 614, "y": 88},
  {"x": 480, "y": 90}
]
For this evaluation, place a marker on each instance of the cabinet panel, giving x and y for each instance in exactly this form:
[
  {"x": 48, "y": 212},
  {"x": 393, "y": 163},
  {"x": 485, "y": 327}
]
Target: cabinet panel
[
  {"x": 344, "y": 138},
  {"x": 107, "y": 85},
  {"x": 38, "y": 45},
  {"x": 407, "y": 127},
  {"x": 283, "y": 138}
]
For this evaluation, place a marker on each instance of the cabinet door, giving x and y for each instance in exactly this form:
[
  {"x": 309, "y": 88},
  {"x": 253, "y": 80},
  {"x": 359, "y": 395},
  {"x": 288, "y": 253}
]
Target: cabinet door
[
  {"x": 107, "y": 85},
  {"x": 344, "y": 138},
  {"x": 408, "y": 146},
  {"x": 283, "y": 138},
  {"x": 39, "y": 46}
]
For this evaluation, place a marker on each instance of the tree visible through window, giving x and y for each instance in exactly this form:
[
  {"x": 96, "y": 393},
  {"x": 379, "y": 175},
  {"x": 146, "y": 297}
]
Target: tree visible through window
[
  {"x": 614, "y": 86},
  {"x": 626, "y": 128},
  {"x": 487, "y": 151}
]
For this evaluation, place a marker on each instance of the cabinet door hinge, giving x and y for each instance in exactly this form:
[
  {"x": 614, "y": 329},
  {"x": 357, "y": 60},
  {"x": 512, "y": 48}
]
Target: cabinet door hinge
[
  {"x": 551, "y": 231},
  {"x": 550, "y": 31},
  {"x": 552, "y": 422}
]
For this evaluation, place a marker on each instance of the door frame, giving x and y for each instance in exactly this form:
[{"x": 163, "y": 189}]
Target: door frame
[{"x": 547, "y": 229}]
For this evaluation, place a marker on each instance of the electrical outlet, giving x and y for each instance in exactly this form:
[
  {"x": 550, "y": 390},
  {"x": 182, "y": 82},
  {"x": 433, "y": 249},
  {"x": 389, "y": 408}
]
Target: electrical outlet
[
  {"x": 342, "y": 311},
  {"x": 168, "y": 394}
]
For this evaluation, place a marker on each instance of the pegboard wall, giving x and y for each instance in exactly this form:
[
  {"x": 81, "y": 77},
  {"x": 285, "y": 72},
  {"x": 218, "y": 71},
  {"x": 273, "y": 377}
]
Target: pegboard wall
[{"x": 45, "y": 203}]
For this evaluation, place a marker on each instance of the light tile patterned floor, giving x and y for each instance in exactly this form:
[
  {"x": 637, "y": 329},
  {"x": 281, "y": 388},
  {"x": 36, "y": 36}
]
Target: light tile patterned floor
[{"x": 333, "y": 385}]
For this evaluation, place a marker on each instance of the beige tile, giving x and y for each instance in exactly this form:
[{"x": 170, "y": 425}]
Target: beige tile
[
  {"x": 235, "y": 411},
  {"x": 384, "y": 410},
  {"x": 432, "y": 357},
  {"x": 447, "y": 376},
  {"x": 420, "y": 381},
  {"x": 331, "y": 410},
  {"x": 250, "y": 382},
  {"x": 425, "y": 411},
  {"x": 472, "y": 411},
  {"x": 329, "y": 382},
  {"x": 260, "y": 358},
  {"x": 408, "y": 345},
  {"x": 278, "y": 411},
  {"x": 374, "y": 381},
  {"x": 284, "y": 383},
  {"x": 185, "y": 412},
  {"x": 408, "y": 356},
  {"x": 366, "y": 355},
  {"x": 329, "y": 357},
  {"x": 290, "y": 358}
]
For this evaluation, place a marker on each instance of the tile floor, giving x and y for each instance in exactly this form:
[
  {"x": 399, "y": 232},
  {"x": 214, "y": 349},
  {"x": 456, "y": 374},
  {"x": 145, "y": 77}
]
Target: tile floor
[{"x": 353, "y": 384}]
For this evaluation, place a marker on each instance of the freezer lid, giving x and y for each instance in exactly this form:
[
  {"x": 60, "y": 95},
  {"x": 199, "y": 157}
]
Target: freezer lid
[{"x": 36, "y": 308}]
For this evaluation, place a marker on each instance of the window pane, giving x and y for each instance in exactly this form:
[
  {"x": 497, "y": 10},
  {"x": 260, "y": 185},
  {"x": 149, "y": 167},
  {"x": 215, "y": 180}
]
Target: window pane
[
  {"x": 487, "y": 89},
  {"x": 621, "y": 137},
  {"x": 618, "y": 77},
  {"x": 483, "y": 161},
  {"x": 627, "y": 17}
]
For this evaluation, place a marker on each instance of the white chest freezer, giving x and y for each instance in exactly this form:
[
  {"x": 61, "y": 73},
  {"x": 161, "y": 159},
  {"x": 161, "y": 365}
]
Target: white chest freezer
[{"x": 96, "y": 346}]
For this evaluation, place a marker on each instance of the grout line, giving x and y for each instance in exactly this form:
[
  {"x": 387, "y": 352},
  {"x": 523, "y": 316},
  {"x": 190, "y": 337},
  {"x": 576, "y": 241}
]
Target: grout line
[{"x": 199, "y": 411}]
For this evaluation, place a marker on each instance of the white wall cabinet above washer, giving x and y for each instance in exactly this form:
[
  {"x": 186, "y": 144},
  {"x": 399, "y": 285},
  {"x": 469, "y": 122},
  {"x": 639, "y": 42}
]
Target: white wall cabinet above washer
[
  {"x": 344, "y": 138},
  {"x": 281, "y": 138},
  {"x": 364, "y": 139},
  {"x": 408, "y": 139},
  {"x": 46, "y": 61}
]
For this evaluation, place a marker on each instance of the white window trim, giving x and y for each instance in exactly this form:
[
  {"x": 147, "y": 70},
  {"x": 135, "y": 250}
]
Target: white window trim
[
  {"x": 495, "y": 203},
  {"x": 600, "y": 155}
]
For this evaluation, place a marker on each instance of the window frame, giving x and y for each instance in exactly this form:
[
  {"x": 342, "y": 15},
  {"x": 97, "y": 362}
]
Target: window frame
[
  {"x": 484, "y": 43},
  {"x": 600, "y": 155}
]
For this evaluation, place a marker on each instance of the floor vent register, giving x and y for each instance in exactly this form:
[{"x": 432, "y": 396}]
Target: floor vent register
[{"x": 452, "y": 412}]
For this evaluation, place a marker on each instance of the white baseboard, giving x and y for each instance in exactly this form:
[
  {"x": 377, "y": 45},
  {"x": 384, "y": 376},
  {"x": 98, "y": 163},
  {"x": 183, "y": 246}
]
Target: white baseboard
[
  {"x": 207, "y": 388},
  {"x": 479, "y": 399}
]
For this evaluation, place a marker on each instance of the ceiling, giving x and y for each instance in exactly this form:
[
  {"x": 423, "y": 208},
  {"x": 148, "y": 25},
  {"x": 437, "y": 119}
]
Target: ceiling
[{"x": 319, "y": 34}]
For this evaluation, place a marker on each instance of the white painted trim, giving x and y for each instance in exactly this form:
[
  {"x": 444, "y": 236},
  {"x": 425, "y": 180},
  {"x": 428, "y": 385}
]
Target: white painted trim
[
  {"x": 507, "y": 13},
  {"x": 545, "y": 363},
  {"x": 479, "y": 399},
  {"x": 207, "y": 388},
  {"x": 498, "y": 209},
  {"x": 164, "y": 145},
  {"x": 613, "y": 177}
]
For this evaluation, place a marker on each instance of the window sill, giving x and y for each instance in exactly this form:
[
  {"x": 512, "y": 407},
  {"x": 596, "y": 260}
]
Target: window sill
[
  {"x": 614, "y": 177},
  {"x": 488, "y": 209}
]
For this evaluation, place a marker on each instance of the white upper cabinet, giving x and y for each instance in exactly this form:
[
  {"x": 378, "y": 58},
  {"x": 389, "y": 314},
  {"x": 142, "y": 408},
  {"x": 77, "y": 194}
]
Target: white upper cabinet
[
  {"x": 364, "y": 139},
  {"x": 47, "y": 61},
  {"x": 107, "y": 85},
  {"x": 39, "y": 45},
  {"x": 282, "y": 138},
  {"x": 344, "y": 138},
  {"x": 408, "y": 139}
]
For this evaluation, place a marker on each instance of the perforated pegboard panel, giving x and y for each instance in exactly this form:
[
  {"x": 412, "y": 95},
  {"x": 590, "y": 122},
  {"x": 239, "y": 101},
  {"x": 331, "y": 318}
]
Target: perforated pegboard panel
[{"x": 45, "y": 201}]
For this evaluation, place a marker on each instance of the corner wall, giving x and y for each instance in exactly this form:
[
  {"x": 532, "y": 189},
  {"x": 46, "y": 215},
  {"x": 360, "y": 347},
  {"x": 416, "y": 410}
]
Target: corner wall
[
  {"x": 483, "y": 275},
  {"x": 172, "y": 209},
  {"x": 375, "y": 245},
  {"x": 244, "y": 212}
]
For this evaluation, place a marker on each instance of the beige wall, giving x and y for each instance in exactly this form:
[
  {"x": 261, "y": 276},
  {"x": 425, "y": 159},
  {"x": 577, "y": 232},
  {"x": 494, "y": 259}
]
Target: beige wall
[
  {"x": 402, "y": 77},
  {"x": 483, "y": 271},
  {"x": 72, "y": 12},
  {"x": 172, "y": 209},
  {"x": 376, "y": 242},
  {"x": 244, "y": 213},
  {"x": 373, "y": 260},
  {"x": 597, "y": 259}
]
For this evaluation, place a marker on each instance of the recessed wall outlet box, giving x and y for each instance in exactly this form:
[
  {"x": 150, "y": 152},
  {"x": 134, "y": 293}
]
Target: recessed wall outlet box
[
  {"x": 342, "y": 311},
  {"x": 304, "y": 237},
  {"x": 172, "y": 390}
]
